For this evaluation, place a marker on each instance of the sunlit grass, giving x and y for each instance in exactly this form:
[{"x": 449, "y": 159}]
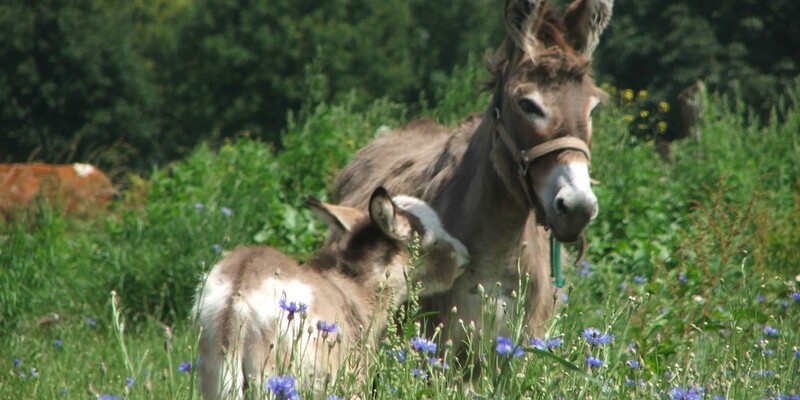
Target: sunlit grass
[{"x": 689, "y": 290}]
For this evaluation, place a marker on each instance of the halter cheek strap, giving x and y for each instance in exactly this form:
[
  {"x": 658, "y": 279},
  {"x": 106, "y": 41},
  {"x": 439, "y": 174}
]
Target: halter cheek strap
[{"x": 523, "y": 158}]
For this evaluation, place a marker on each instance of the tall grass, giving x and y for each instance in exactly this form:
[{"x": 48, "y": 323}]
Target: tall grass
[{"x": 691, "y": 268}]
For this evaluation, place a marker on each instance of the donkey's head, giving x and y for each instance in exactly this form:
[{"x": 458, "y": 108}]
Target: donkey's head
[
  {"x": 543, "y": 100},
  {"x": 375, "y": 245}
]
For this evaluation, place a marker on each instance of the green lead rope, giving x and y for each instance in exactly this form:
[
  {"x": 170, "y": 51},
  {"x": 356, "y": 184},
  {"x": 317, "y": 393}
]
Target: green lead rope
[{"x": 555, "y": 262}]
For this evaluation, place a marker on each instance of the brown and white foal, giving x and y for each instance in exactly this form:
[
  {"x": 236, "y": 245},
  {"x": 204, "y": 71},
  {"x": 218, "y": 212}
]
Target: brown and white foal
[{"x": 257, "y": 307}]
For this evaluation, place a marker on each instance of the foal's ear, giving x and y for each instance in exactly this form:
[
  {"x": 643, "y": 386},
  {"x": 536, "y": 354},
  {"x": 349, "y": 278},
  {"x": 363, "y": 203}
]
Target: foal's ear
[
  {"x": 585, "y": 21},
  {"x": 384, "y": 213},
  {"x": 337, "y": 217}
]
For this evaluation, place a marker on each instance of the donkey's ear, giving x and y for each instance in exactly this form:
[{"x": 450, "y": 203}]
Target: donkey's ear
[
  {"x": 522, "y": 19},
  {"x": 384, "y": 213},
  {"x": 337, "y": 217},
  {"x": 585, "y": 21}
]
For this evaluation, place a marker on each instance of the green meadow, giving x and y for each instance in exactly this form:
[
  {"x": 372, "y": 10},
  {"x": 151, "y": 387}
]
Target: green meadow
[{"x": 690, "y": 288}]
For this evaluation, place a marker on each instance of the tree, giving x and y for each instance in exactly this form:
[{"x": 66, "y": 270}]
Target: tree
[
  {"x": 240, "y": 66},
  {"x": 73, "y": 85},
  {"x": 664, "y": 46}
]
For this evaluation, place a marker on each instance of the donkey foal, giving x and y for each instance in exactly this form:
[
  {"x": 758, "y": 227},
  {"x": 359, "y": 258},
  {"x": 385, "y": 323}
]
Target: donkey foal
[{"x": 258, "y": 308}]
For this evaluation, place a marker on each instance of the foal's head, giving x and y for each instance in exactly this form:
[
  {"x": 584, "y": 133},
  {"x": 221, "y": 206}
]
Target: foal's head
[
  {"x": 544, "y": 91},
  {"x": 373, "y": 246}
]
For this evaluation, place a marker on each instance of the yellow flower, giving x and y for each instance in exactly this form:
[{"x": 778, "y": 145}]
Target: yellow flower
[
  {"x": 608, "y": 88},
  {"x": 661, "y": 126},
  {"x": 627, "y": 118},
  {"x": 627, "y": 94},
  {"x": 642, "y": 94},
  {"x": 663, "y": 106},
  {"x": 644, "y": 113}
]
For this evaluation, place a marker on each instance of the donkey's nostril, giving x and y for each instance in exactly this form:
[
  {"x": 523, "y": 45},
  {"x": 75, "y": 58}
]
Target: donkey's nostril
[
  {"x": 577, "y": 208},
  {"x": 561, "y": 206}
]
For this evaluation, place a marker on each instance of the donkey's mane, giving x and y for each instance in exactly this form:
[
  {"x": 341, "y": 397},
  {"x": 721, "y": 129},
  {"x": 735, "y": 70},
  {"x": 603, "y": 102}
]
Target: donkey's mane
[{"x": 557, "y": 61}]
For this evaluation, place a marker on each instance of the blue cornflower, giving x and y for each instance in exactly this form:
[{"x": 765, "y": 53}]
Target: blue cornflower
[
  {"x": 438, "y": 363},
  {"x": 563, "y": 297},
  {"x": 760, "y": 298},
  {"x": 796, "y": 296},
  {"x": 784, "y": 303},
  {"x": 595, "y": 338},
  {"x": 418, "y": 373},
  {"x": 770, "y": 331},
  {"x": 332, "y": 397},
  {"x": 767, "y": 352},
  {"x": 185, "y": 366},
  {"x": 505, "y": 347},
  {"x": 109, "y": 397},
  {"x": 226, "y": 211},
  {"x": 129, "y": 381},
  {"x": 58, "y": 343},
  {"x": 629, "y": 381},
  {"x": 764, "y": 373},
  {"x": 594, "y": 362},
  {"x": 623, "y": 287},
  {"x": 17, "y": 362},
  {"x": 423, "y": 345},
  {"x": 400, "y": 355},
  {"x": 283, "y": 387},
  {"x": 326, "y": 327},
  {"x": 682, "y": 277},
  {"x": 90, "y": 322},
  {"x": 554, "y": 342},
  {"x": 586, "y": 269},
  {"x": 216, "y": 248},
  {"x": 292, "y": 307},
  {"x": 633, "y": 364},
  {"x": 718, "y": 397},
  {"x": 679, "y": 393},
  {"x": 199, "y": 206},
  {"x": 797, "y": 353},
  {"x": 545, "y": 345},
  {"x": 537, "y": 343},
  {"x": 639, "y": 279}
]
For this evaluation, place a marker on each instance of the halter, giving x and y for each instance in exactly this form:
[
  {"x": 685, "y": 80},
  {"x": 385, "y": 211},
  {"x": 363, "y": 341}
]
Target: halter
[{"x": 523, "y": 158}]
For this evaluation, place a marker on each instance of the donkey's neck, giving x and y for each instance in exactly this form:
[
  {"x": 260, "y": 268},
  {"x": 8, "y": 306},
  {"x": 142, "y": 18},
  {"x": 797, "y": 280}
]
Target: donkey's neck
[{"x": 484, "y": 209}]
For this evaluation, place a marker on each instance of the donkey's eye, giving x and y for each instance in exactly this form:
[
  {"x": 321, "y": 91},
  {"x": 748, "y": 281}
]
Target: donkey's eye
[{"x": 530, "y": 107}]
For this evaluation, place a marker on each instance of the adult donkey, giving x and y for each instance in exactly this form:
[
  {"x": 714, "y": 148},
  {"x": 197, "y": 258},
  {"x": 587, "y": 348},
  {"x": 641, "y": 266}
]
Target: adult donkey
[{"x": 511, "y": 175}]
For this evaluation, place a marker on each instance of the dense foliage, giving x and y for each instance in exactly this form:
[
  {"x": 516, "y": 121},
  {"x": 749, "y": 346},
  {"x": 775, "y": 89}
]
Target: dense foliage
[
  {"x": 746, "y": 47},
  {"x": 142, "y": 83},
  {"x": 74, "y": 84}
]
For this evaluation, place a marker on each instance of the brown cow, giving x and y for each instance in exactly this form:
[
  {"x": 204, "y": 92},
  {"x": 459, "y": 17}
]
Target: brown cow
[{"x": 76, "y": 188}]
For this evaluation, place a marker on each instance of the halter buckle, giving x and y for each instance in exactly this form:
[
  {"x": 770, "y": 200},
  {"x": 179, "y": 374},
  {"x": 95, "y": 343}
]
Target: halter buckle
[{"x": 523, "y": 165}]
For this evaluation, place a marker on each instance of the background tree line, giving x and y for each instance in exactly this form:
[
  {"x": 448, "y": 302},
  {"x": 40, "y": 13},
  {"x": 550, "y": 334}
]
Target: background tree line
[{"x": 142, "y": 82}]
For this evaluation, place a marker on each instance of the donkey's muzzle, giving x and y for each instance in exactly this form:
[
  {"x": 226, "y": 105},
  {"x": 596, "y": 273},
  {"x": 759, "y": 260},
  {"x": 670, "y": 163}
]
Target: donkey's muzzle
[{"x": 573, "y": 210}]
